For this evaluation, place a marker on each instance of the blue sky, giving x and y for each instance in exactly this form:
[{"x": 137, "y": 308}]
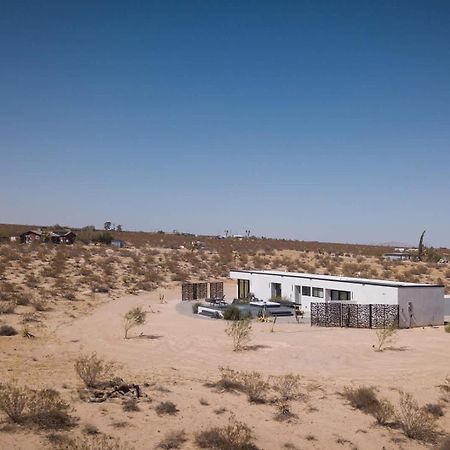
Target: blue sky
[{"x": 310, "y": 120}]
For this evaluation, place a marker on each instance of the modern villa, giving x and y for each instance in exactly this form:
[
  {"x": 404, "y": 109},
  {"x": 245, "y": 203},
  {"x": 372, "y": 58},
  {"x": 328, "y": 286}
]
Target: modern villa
[{"x": 418, "y": 304}]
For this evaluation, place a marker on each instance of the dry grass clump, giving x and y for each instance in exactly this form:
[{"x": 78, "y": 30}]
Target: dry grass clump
[
  {"x": 173, "y": 440},
  {"x": 44, "y": 408},
  {"x": 287, "y": 388},
  {"x": 130, "y": 405},
  {"x": 166, "y": 408},
  {"x": 365, "y": 399},
  {"x": 93, "y": 370},
  {"x": 417, "y": 423},
  {"x": 234, "y": 436}
]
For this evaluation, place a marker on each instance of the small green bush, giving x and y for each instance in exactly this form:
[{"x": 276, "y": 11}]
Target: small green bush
[
  {"x": 232, "y": 313},
  {"x": 13, "y": 400}
]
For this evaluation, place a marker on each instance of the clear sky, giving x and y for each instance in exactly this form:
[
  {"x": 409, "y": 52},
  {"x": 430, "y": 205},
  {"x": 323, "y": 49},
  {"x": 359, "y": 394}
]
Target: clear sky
[{"x": 305, "y": 119}]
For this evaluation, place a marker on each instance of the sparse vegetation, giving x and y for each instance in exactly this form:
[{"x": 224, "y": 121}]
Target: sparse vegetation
[
  {"x": 240, "y": 332},
  {"x": 234, "y": 436},
  {"x": 93, "y": 370},
  {"x": 100, "y": 442},
  {"x": 385, "y": 336},
  {"x": 166, "y": 408},
  {"x": 13, "y": 400},
  {"x": 173, "y": 440},
  {"x": 416, "y": 422},
  {"x": 133, "y": 318}
]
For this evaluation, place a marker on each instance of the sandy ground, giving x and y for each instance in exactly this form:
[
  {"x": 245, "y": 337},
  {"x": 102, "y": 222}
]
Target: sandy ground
[{"x": 177, "y": 353}]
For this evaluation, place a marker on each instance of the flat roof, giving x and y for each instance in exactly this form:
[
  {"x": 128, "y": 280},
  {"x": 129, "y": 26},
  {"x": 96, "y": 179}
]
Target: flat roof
[{"x": 387, "y": 283}]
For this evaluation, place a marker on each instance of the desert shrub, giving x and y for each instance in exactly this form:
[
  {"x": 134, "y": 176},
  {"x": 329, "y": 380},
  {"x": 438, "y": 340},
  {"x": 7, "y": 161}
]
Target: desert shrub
[
  {"x": 416, "y": 422},
  {"x": 7, "y": 330},
  {"x": 134, "y": 317},
  {"x": 383, "y": 411},
  {"x": 362, "y": 397},
  {"x": 92, "y": 370},
  {"x": 7, "y": 307},
  {"x": 230, "y": 380},
  {"x": 13, "y": 400},
  {"x": 173, "y": 440},
  {"x": 240, "y": 332},
  {"x": 287, "y": 388},
  {"x": 447, "y": 327},
  {"x": 130, "y": 405},
  {"x": 254, "y": 385},
  {"x": 90, "y": 429},
  {"x": 195, "y": 307},
  {"x": 91, "y": 443},
  {"x": 434, "y": 409},
  {"x": 232, "y": 313},
  {"x": 166, "y": 408},
  {"x": 48, "y": 410},
  {"x": 234, "y": 436},
  {"x": 385, "y": 336}
]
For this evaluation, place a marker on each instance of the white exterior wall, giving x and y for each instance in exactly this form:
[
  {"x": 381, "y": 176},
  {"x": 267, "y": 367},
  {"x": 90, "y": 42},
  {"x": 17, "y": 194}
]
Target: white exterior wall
[
  {"x": 260, "y": 285},
  {"x": 427, "y": 302},
  {"x": 427, "y": 306}
]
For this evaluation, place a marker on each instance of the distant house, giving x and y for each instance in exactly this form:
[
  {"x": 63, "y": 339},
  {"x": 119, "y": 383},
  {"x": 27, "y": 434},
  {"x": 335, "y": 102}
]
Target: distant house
[
  {"x": 399, "y": 256},
  {"x": 117, "y": 243},
  {"x": 63, "y": 237},
  {"x": 31, "y": 236}
]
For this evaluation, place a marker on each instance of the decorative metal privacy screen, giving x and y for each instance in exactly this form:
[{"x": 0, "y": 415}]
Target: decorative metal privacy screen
[
  {"x": 338, "y": 314},
  {"x": 216, "y": 290},
  {"x": 197, "y": 291}
]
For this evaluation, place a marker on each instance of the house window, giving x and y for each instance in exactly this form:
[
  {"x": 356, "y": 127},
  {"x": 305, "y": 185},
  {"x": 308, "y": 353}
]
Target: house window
[
  {"x": 306, "y": 290},
  {"x": 243, "y": 288},
  {"x": 317, "y": 292},
  {"x": 340, "y": 295}
]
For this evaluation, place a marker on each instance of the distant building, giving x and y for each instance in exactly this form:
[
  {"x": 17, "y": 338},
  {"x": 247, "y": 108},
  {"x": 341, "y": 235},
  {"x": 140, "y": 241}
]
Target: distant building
[
  {"x": 63, "y": 237},
  {"x": 399, "y": 256},
  {"x": 117, "y": 243},
  {"x": 31, "y": 236}
]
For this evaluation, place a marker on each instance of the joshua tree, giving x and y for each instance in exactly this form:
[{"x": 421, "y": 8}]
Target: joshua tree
[{"x": 421, "y": 247}]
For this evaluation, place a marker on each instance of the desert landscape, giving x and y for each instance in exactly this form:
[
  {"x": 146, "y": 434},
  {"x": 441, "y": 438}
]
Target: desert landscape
[{"x": 176, "y": 381}]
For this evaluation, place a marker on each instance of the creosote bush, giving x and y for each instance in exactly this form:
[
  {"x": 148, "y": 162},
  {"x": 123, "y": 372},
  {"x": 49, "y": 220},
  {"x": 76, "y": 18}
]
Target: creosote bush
[
  {"x": 234, "y": 436},
  {"x": 417, "y": 423},
  {"x": 173, "y": 440},
  {"x": 365, "y": 399},
  {"x": 134, "y": 317},
  {"x": 93, "y": 370},
  {"x": 166, "y": 408},
  {"x": 13, "y": 400},
  {"x": 44, "y": 408},
  {"x": 240, "y": 332},
  {"x": 385, "y": 336}
]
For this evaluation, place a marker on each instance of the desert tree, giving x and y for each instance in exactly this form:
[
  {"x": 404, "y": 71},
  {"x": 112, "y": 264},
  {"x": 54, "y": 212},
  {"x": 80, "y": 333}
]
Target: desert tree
[
  {"x": 134, "y": 317},
  {"x": 107, "y": 226}
]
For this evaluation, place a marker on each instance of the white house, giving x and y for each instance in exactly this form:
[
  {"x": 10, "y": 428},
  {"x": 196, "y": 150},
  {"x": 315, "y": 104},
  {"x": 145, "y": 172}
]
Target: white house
[{"x": 419, "y": 304}]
